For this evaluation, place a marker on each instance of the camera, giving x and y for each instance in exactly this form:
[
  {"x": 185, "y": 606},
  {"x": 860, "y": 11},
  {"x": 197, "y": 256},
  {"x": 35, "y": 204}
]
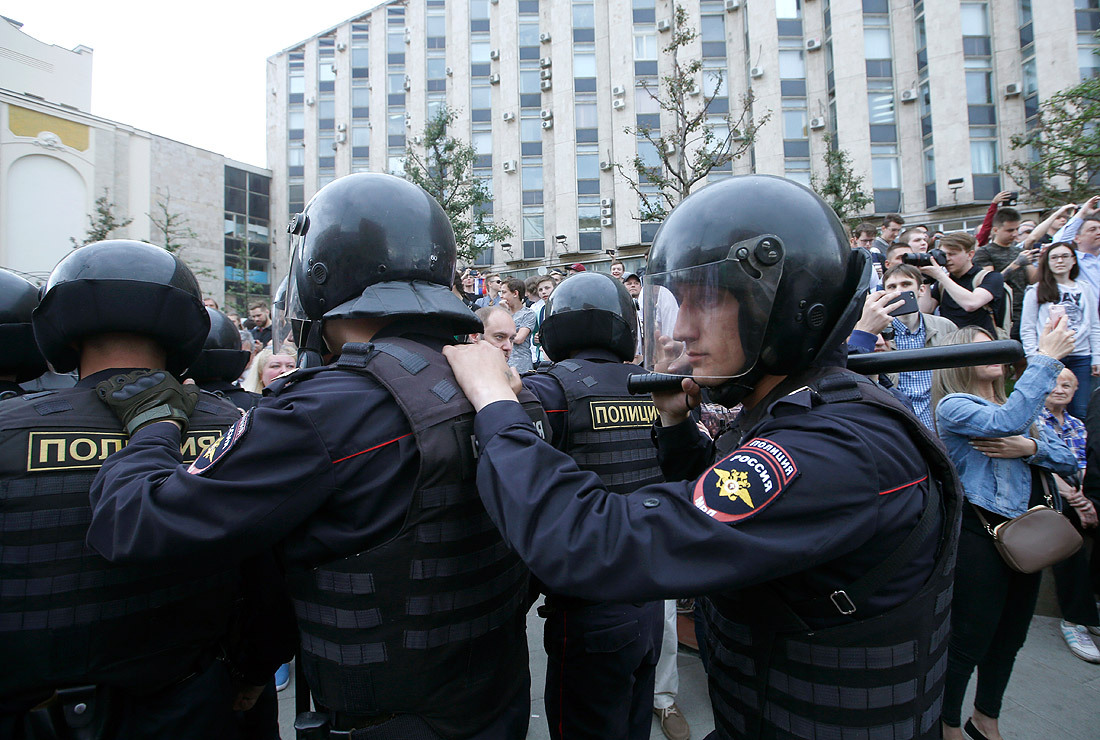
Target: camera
[
  {"x": 1012, "y": 198},
  {"x": 924, "y": 259}
]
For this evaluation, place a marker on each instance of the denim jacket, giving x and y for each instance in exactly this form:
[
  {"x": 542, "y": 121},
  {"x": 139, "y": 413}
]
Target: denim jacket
[{"x": 1003, "y": 486}]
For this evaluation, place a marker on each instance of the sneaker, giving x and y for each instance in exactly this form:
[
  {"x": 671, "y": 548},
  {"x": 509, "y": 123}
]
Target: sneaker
[
  {"x": 673, "y": 723},
  {"x": 1079, "y": 643},
  {"x": 1094, "y": 630},
  {"x": 282, "y": 677}
]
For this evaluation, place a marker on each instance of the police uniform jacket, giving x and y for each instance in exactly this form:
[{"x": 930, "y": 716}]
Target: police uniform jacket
[
  {"x": 806, "y": 500},
  {"x": 407, "y": 599}
]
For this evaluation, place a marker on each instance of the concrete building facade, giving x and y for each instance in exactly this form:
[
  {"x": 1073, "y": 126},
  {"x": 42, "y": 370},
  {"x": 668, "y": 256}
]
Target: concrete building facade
[
  {"x": 56, "y": 159},
  {"x": 923, "y": 96}
]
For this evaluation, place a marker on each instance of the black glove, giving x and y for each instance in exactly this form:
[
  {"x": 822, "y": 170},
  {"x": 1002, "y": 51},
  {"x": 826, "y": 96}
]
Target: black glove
[{"x": 145, "y": 396}]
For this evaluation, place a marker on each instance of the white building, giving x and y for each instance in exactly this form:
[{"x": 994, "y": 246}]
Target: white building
[
  {"x": 56, "y": 159},
  {"x": 918, "y": 93}
]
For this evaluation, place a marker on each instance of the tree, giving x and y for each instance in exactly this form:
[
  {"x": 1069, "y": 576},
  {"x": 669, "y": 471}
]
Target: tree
[
  {"x": 173, "y": 229},
  {"x": 1063, "y": 149},
  {"x": 103, "y": 221},
  {"x": 695, "y": 144},
  {"x": 442, "y": 165},
  {"x": 840, "y": 186}
]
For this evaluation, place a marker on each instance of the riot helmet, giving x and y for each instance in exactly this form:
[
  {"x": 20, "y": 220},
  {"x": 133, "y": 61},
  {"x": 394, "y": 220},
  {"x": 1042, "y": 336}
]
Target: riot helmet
[
  {"x": 18, "y": 352},
  {"x": 373, "y": 245},
  {"x": 121, "y": 286},
  {"x": 590, "y": 310},
  {"x": 222, "y": 357},
  {"x": 750, "y": 276}
]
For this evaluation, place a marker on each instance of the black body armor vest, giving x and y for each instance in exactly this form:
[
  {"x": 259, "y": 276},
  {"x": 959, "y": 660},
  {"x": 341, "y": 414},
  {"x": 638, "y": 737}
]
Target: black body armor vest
[
  {"x": 431, "y": 622},
  {"x": 608, "y": 431},
  {"x": 772, "y": 676},
  {"x": 67, "y": 616},
  {"x": 237, "y": 396}
]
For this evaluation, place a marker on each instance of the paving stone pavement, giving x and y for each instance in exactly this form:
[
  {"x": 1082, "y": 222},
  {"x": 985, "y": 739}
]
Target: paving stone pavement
[{"x": 1052, "y": 694}]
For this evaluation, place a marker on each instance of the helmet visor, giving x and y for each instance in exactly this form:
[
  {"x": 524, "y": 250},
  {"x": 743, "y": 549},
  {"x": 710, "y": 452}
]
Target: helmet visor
[
  {"x": 288, "y": 316},
  {"x": 709, "y": 321}
]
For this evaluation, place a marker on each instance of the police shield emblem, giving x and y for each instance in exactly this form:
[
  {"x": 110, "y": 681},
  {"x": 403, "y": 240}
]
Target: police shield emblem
[{"x": 745, "y": 482}]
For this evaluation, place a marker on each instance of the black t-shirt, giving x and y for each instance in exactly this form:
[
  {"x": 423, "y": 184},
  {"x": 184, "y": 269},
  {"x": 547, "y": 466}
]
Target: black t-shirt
[
  {"x": 949, "y": 309},
  {"x": 263, "y": 336}
]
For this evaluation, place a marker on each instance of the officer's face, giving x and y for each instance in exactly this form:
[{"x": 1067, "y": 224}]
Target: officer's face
[
  {"x": 707, "y": 325},
  {"x": 500, "y": 329},
  {"x": 276, "y": 366}
]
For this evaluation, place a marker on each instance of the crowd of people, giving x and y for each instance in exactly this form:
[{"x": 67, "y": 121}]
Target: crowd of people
[{"x": 367, "y": 509}]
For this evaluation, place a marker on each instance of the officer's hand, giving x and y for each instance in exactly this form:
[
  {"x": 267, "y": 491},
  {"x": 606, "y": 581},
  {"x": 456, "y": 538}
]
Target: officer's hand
[
  {"x": 146, "y": 396},
  {"x": 246, "y": 698},
  {"x": 481, "y": 372},
  {"x": 673, "y": 406}
]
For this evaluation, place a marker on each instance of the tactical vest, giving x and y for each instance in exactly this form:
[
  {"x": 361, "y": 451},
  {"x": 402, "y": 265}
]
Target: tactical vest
[
  {"x": 771, "y": 676},
  {"x": 608, "y": 431},
  {"x": 239, "y": 397},
  {"x": 431, "y": 622},
  {"x": 67, "y": 616}
]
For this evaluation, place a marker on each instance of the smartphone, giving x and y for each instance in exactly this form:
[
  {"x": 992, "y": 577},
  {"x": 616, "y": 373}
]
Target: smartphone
[
  {"x": 1056, "y": 312},
  {"x": 910, "y": 305}
]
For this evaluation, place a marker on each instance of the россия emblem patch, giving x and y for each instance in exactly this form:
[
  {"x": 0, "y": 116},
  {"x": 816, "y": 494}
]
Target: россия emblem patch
[
  {"x": 223, "y": 445},
  {"x": 746, "y": 481}
]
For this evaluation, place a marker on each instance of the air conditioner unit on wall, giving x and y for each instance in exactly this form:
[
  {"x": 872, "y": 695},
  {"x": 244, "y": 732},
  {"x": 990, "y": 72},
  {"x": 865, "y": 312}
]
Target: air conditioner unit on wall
[
  {"x": 509, "y": 116},
  {"x": 546, "y": 114},
  {"x": 757, "y": 71},
  {"x": 664, "y": 25},
  {"x": 618, "y": 91},
  {"x": 341, "y": 46},
  {"x": 618, "y": 104},
  {"x": 546, "y": 74},
  {"x": 1013, "y": 88},
  {"x": 607, "y": 222},
  {"x": 607, "y": 202},
  {"x": 548, "y": 124},
  {"x": 546, "y": 85},
  {"x": 908, "y": 96},
  {"x": 606, "y": 164},
  {"x": 607, "y": 212},
  {"x": 510, "y": 165},
  {"x": 494, "y": 54},
  {"x": 494, "y": 79},
  {"x": 817, "y": 123},
  {"x": 813, "y": 44},
  {"x": 732, "y": 5},
  {"x": 544, "y": 38},
  {"x": 545, "y": 62}
]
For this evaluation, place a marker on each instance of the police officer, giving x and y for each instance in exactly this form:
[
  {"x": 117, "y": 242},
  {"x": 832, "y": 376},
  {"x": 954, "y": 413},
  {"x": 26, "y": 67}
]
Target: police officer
[
  {"x": 222, "y": 361},
  {"x": 124, "y": 651},
  {"x": 823, "y": 533},
  {"x": 20, "y": 360},
  {"x": 601, "y": 657},
  {"x": 412, "y": 610}
]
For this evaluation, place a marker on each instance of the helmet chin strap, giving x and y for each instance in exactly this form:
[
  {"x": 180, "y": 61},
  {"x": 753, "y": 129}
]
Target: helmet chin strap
[
  {"x": 735, "y": 390},
  {"x": 313, "y": 350}
]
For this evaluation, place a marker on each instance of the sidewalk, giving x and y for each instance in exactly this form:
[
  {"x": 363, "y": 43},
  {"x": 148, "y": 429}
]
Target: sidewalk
[{"x": 1052, "y": 694}]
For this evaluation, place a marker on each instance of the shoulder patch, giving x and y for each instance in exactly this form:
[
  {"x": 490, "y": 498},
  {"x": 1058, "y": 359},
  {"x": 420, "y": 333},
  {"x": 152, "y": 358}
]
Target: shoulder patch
[
  {"x": 221, "y": 447},
  {"x": 745, "y": 482}
]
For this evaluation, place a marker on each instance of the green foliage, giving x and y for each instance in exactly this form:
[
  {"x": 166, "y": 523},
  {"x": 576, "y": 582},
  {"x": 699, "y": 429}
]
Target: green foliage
[
  {"x": 172, "y": 230},
  {"x": 1062, "y": 152},
  {"x": 103, "y": 221},
  {"x": 443, "y": 166},
  {"x": 841, "y": 187},
  {"x": 693, "y": 146}
]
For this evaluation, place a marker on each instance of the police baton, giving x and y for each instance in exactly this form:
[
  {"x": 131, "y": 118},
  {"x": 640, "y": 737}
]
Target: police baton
[{"x": 999, "y": 352}]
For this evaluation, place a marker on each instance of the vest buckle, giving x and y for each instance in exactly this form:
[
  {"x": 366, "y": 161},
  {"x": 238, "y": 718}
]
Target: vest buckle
[{"x": 842, "y": 602}]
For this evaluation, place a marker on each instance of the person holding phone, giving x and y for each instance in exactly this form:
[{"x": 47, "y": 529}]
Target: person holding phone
[
  {"x": 914, "y": 330},
  {"x": 1060, "y": 292}
]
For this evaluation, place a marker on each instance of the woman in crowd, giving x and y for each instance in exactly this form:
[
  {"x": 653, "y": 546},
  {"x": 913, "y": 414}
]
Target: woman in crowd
[
  {"x": 267, "y": 366},
  {"x": 994, "y": 442},
  {"x": 1058, "y": 291}
]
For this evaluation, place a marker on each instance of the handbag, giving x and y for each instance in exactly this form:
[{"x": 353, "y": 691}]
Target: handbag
[{"x": 1039, "y": 537}]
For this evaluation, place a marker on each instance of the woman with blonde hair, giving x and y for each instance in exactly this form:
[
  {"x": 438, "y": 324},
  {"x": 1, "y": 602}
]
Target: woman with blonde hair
[
  {"x": 268, "y": 366},
  {"x": 994, "y": 442}
]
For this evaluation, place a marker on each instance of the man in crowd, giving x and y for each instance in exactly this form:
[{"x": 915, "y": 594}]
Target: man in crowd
[
  {"x": 574, "y": 268},
  {"x": 914, "y": 331},
  {"x": 261, "y": 322},
  {"x": 1007, "y": 257},
  {"x": 916, "y": 239},
  {"x": 544, "y": 287},
  {"x": 493, "y": 285},
  {"x": 863, "y": 236},
  {"x": 795, "y": 506},
  {"x": 411, "y": 608},
  {"x": 511, "y": 295},
  {"x": 137, "y": 651},
  {"x": 894, "y": 254},
  {"x": 891, "y": 227},
  {"x": 962, "y": 295},
  {"x": 1084, "y": 231},
  {"x": 499, "y": 328}
]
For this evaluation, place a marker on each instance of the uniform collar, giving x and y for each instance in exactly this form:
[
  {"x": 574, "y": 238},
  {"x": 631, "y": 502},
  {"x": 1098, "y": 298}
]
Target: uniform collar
[{"x": 91, "y": 381}]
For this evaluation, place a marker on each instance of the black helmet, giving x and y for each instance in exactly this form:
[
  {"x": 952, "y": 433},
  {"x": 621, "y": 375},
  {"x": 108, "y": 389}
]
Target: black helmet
[
  {"x": 121, "y": 286},
  {"x": 590, "y": 310},
  {"x": 18, "y": 352},
  {"x": 222, "y": 357},
  {"x": 374, "y": 245},
  {"x": 765, "y": 252}
]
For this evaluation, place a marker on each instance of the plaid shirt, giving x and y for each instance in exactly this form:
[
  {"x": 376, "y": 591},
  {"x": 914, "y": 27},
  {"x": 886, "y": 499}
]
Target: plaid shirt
[
  {"x": 1072, "y": 433},
  {"x": 916, "y": 385}
]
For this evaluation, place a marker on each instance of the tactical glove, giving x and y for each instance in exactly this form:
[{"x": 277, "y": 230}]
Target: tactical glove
[{"x": 145, "y": 396}]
